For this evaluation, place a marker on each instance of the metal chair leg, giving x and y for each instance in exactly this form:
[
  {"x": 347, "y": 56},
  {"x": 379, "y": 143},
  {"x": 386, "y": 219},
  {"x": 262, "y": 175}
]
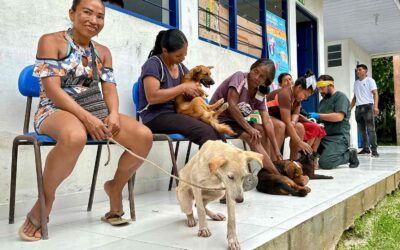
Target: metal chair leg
[
  {"x": 174, "y": 155},
  {"x": 188, "y": 152},
  {"x": 13, "y": 181},
  {"x": 42, "y": 203},
  {"x": 131, "y": 185},
  {"x": 94, "y": 178},
  {"x": 248, "y": 164}
]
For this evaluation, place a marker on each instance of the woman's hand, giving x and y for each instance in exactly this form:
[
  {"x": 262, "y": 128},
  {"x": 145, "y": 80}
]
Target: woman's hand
[
  {"x": 112, "y": 123},
  {"x": 96, "y": 128},
  {"x": 278, "y": 155},
  {"x": 303, "y": 146},
  {"x": 192, "y": 89},
  {"x": 255, "y": 135}
]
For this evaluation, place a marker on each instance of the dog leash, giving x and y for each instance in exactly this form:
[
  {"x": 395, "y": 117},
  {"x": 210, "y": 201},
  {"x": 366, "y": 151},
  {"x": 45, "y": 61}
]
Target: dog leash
[{"x": 110, "y": 139}]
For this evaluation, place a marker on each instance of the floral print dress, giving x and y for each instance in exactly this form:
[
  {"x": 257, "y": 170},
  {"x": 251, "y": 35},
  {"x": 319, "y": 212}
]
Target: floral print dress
[{"x": 75, "y": 77}]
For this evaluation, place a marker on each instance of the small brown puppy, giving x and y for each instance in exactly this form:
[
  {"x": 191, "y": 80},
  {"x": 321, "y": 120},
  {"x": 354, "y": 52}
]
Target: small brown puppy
[
  {"x": 293, "y": 170},
  {"x": 307, "y": 162},
  {"x": 215, "y": 165},
  {"x": 197, "y": 107},
  {"x": 291, "y": 181}
]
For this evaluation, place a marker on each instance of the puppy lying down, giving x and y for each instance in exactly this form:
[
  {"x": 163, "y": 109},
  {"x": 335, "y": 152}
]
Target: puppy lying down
[
  {"x": 292, "y": 181},
  {"x": 215, "y": 165}
]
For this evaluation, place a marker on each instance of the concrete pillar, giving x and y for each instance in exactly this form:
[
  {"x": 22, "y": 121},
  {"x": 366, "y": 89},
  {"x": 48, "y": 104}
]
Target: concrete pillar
[{"x": 396, "y": 80}]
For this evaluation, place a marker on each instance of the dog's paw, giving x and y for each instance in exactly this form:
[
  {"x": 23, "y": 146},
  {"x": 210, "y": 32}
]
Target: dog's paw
[
  {"x": 225, "y": 106},
  {"x": 218, "y": 217},
  {"x": 233, "y": 243},
  {"x": 307, "y": 189},
  {"x": 205, "y": 232},
  {"x": 191, "y": 221}
]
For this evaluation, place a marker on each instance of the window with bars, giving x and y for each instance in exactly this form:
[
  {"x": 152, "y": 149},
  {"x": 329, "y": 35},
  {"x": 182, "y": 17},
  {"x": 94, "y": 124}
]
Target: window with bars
[
  {"x": 214, "y": 21},
  {"x": 335, "y": 55},
  {"x": 161, "y": 11},
  {"x": 238, "y": 24},
  {"x": 249, "y": 28},
  {"x": 277, "y": 7}
]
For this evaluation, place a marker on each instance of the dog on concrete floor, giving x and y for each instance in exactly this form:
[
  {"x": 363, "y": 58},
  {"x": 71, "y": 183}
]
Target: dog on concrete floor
[
  {"x": 290, "y": 182},
  {"x": 307, "y": 162},
  {"x": 197, "y": 107},
  {"x": 215, "y": 165},
  {"x": 293, "y": 170}
]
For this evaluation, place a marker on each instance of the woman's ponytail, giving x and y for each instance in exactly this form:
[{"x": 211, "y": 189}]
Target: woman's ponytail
[
  {"x": 172, "y": 40},
  {"x": 157, "y": 49}
]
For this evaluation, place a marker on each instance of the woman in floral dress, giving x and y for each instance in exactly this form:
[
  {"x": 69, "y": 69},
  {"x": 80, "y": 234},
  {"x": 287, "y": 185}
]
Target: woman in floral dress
[{"x": 64, "y": 65}]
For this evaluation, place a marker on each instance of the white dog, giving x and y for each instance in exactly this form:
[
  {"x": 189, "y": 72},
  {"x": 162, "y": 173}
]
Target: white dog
[{"x": 216, "y": 165}]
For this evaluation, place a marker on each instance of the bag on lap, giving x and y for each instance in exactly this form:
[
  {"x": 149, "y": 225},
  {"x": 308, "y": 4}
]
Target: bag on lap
[{"x": 92, "y": 99}]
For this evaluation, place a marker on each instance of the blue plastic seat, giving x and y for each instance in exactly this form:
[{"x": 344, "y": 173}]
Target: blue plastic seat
[
  {"x": 29, "y": 87},
  {"x": 177, "y": 138}
]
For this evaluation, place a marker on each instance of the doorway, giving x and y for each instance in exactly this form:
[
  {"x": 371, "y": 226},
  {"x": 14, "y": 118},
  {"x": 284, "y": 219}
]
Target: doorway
[{"x": 307, "y": 52}]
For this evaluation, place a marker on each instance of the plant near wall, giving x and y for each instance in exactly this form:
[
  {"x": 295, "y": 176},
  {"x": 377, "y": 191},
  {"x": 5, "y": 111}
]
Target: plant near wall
[{"x": 382, "y": 72}]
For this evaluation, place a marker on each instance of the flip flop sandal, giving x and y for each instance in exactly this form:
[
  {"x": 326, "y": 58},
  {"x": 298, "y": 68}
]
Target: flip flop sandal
[
  {"x": 35, "y": 223},
  {"x": 115, "y": 218}
]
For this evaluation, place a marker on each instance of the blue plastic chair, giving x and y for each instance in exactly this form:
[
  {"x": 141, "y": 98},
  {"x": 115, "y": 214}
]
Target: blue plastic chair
[
  {"x": 164, "y": 137},
  {"x": 29, "y": 86}
]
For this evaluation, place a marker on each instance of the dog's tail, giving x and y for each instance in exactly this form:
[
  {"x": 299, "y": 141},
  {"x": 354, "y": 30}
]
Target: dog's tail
[
  {"x": 222, "y": 128},
  {"x": 320, "y": 177}
]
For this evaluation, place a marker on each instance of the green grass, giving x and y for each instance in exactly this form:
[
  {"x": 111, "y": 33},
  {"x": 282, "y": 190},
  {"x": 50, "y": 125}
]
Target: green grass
[{"x": 376, "y": 229}]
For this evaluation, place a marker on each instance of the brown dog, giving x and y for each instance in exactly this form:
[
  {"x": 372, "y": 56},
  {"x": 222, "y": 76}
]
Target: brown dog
[
  {"x": 215, "y": 165},
  {"x": 291, "y": 181},
  {"x": 197, "y": 107}
]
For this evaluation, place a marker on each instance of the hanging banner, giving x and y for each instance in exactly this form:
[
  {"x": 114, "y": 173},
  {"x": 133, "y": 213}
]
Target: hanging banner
[{"x": 277, "y": 45}]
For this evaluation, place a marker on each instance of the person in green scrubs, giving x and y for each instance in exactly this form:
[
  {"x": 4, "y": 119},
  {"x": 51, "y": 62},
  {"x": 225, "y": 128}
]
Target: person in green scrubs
[{"x": 334, "y": 113}]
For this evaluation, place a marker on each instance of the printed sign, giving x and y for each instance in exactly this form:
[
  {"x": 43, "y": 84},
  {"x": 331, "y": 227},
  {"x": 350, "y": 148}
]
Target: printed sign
[{"x": 277, "y": 45}]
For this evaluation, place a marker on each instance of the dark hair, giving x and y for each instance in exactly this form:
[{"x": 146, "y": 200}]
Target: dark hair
[
  {"x": 270, "y": 67},
  {"x": 325, "y": 78},
  {"x": 119, "y": 3},
  {"x": 281, "y": 76},
  {"x": 172, "y": 40},
  {"x": 362, "y": 66},
  {"x": 75, "y": 4},
  {"x": 301, "y": 81}
]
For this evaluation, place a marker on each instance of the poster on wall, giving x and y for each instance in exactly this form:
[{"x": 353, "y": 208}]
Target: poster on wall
[{"x": 277, "y": 45}]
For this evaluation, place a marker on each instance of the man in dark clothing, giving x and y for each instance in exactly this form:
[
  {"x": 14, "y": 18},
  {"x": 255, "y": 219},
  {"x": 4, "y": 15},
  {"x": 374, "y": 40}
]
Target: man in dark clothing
[{"x": 334, "y": 112}]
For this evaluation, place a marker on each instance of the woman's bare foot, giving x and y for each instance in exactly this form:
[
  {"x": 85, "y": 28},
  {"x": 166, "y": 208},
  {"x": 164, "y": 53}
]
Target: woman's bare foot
[
  {"x": 115, "y": 197},
  {"x": 31, "y": 228}
]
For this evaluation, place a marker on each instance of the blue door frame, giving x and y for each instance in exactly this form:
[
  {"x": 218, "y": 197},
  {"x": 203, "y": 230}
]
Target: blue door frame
[{"x": 307, "y": 54}]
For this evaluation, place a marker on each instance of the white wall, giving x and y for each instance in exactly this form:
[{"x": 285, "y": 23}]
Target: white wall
[
  {"x": 345, "y": 75},
  {"x": 130, "y": 39}
]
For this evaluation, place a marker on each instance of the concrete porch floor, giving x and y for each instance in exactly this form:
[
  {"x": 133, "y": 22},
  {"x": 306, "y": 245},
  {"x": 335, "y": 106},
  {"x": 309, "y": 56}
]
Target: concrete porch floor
[{"x": 263, "y": 221}]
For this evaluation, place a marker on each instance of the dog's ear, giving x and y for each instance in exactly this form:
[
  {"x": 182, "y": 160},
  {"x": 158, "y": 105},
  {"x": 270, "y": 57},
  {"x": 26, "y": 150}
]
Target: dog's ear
[
  {"x": 197, "y": 69},
  {"x": 250, "y": 155},
  {"x": 196, "y": 73},
  {"x": 290, "y": 169},
  {"x": 210, "y": 67},
  {"x": 216, "y": 163},
  {"x": 298, "y": 170}
]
